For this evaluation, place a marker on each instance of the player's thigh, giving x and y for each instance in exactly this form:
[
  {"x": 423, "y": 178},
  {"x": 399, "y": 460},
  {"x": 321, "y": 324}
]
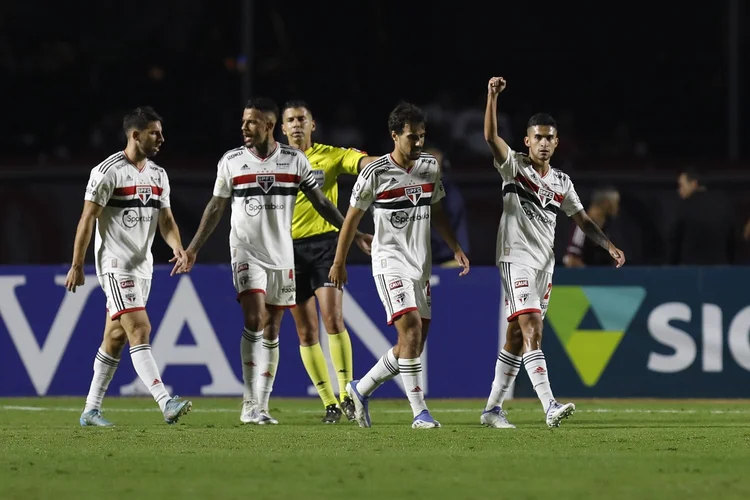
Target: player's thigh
[
  {"x": 397, "y": 296},
  {"x": 521, "y": 290},
  {"x": 124, "y": 294},
  {"x": 306, "y": 320},
  {"x": 137, "y": 326},
  {"x": 250, "y": 281},
  {"x": 113, "y": 331},
  {"x": 331, "y": 302}
]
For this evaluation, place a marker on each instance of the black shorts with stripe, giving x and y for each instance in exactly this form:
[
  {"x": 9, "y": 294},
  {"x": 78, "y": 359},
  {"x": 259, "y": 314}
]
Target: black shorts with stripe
[{"x": 313, "y": 258}]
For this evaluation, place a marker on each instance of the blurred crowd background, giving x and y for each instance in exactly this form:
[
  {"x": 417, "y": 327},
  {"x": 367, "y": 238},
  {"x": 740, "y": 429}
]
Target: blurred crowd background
[{"x": 651, "y": 103}]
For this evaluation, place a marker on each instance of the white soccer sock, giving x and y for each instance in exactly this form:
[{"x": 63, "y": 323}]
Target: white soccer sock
[
  {"x": 411, "y": 374},
  {"x": 104, "y": 369},
  {"x": 536, "y": 367},
  {"x": 384, "y": 370},
  {"x": 506, "y": 368},
  {"x": 250, "y": 353},
  {"x": 268, "y": 372},
  {"x": 148, "y": 372}
]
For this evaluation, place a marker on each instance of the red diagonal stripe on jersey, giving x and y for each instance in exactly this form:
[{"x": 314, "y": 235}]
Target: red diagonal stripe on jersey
[
  {"x": 248, "y": 178},
  {"x": 558, "y": 197},
  {"x": 130, "y": 190},
  {"x": 395, "y": 193}
]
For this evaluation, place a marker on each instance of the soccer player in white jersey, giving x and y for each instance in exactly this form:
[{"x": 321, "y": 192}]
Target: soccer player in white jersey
[
  {"x": 404, "y": 190},
  {"x": 533, "y": 194},
  {"x": 261, "y": 179},
  {"x": 128, "y": 197}
]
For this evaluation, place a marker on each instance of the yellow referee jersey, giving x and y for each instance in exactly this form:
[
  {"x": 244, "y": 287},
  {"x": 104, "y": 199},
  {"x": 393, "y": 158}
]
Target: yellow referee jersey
[{"x": 328, "y": 162}]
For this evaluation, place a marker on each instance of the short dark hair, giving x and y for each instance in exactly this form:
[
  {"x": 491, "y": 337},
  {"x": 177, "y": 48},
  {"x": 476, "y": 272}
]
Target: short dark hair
[
  {"x": 405, "y": 113},
  {"x": 139, "y": 118},
  {"x": 263, "y": 104},
  {"x": 296, "y": 103},
  {"x": 541, "y": 119}
]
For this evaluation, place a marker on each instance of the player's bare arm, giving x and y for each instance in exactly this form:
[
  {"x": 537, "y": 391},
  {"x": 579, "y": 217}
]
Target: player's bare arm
[
  {"x": 211, "y": 217},
  {"x": 570, "y": 260},
  {"x": 91, "y": 211},
  {"x": 330, "y": 212},
  {"x": 594, "y": 232},
  {"x": 337, "y": 274},
  {"x": 364, "y": 161},
  {"x": 171, "y": 235},
  {"x": 497, "y": 145},
  {"x": 442, "y": 223}
]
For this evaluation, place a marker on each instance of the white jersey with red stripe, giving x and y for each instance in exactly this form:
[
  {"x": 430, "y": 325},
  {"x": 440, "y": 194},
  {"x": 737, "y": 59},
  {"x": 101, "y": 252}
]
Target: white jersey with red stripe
[
  {"x": 263, "y": 192},
  {"x": 400, "y": 200},
  {"x": 530, "y": 207},
  {"x": 126, "y": 227}
]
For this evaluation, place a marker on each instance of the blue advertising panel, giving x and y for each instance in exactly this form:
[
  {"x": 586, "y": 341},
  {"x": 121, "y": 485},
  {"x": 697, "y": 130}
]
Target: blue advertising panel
[{"x": 631, "y": 332}]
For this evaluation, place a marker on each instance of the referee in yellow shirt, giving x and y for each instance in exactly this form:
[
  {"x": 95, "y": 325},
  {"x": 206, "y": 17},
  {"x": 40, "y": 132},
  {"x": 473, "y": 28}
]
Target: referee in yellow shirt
[{"x": 315, "y": 243}]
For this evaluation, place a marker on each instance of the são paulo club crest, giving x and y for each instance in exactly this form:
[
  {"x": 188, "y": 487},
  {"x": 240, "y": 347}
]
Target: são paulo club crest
[
  {"x": 144, "y": 193},
  {"x": 414, "y": 193},
  {"x": 266, "y": 181}
]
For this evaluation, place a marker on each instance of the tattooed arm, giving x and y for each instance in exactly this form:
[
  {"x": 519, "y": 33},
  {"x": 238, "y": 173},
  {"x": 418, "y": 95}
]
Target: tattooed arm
[{"x": 594, "y": 232}]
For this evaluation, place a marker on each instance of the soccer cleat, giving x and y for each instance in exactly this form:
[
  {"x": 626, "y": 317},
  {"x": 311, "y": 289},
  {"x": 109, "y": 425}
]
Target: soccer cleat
[
  {"x": 425, "y": 421},
  {"x": 496, "y": 418},
  {"x": 361, "y": 405},
  {"x": 265, "y": 418},
  {"x": 175, "y": 408},
  {"x": 347, "y": 406},
  {"x": 249, "y": 414},
  {"x": 94, "y": 418},
  {"x": 333, "y": 415},
  {"x": 557, "y": 412}
]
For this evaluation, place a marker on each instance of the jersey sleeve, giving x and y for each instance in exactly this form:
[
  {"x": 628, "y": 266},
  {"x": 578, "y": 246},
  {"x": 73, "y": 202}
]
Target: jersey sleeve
[
  {"x": 509, "y": 168},
  {"x": 349, "y": 163},
  {"x": 223, "y": 184},
  {"x": 306, "y": 179},
  {"x": 100, "y": 186},
  {"x": 166, "y": 192},
  {"x": 363, "y": 193},
  {"x": 571, "y": 203}
]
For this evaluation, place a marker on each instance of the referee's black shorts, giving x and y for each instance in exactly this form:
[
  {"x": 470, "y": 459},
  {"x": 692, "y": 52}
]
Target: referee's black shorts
[{"x": 313, "y": 258}]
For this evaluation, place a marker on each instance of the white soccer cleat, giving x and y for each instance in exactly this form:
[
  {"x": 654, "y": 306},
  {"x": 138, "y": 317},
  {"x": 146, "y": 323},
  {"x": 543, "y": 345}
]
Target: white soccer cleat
[
  {"x": 249, "y": 414},
  {"x": 556, "y": 412},
  {"x": 496, "y": 418},
  {"x": 265, "y": 418},
  {"x": 425, "y": 421}
]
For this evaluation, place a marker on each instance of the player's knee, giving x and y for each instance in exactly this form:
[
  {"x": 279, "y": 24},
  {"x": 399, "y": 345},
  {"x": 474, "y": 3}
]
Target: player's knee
[
  {"x": 115, "y": 340},
  {"x": 253, "y": 321},
  {"x": 531, "y": 327},
  {"x": 333, "y": 321},
  {"x": 308, "y": 334},
  {"x": 140, "y": 334},
  {"x": 514, "y": 340}
]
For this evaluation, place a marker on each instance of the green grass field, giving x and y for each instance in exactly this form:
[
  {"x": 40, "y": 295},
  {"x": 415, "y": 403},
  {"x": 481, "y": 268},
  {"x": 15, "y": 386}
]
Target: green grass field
[{"x": 613, "y": 449}]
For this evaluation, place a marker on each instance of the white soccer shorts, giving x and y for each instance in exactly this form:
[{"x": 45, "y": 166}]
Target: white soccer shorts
[
  {"x": 526, "y": 289},
  {"x": 401, "y": 295},
  {"x": 278, "y": 285},
  {"x": 125, "y": 293}
]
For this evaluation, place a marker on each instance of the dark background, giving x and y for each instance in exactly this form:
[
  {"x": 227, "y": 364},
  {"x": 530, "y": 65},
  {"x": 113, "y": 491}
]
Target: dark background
[{"x": 641, "y": 90}]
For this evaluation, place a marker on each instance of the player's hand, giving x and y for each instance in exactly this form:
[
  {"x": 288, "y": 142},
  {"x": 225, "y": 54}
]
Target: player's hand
[
  {"x": 364, "y": 242},
  {"x": 180, "y": 260},
  {"x": 337, "y": 275},
  {"x": 185, "y": 265},
  {"x": 747, "y": 231},
  {"x": 496, "y": 85},
  {"x": 75, "y": 278},
  {"x": 463, "y": 261},
  {"x": 617, "y": 254}
]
